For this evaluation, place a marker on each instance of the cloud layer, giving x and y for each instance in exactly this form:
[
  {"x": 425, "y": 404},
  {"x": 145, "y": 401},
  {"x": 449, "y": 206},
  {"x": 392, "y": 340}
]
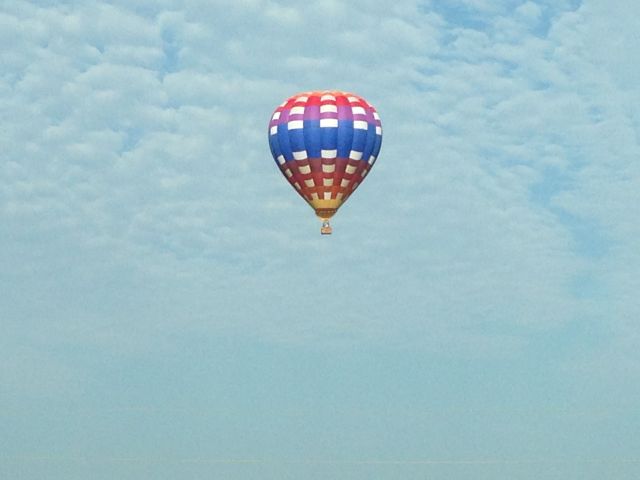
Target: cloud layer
[
  {"x": 136, "y": 136},
  {"x": 138, "y": 200}
]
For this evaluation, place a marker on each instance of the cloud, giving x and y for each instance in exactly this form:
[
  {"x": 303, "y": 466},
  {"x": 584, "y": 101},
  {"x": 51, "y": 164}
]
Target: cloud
[
  {"x": 134, "y": 147},
  {"x": 158, "y": 277}
]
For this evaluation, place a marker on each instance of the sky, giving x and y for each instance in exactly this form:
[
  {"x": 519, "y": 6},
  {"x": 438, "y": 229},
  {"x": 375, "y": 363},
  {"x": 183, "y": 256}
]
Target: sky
[{"x": 169, "y": 310}]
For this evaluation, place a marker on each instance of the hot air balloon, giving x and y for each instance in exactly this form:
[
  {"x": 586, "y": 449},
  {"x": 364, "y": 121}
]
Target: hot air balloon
[{"x": 325, "y": 143}]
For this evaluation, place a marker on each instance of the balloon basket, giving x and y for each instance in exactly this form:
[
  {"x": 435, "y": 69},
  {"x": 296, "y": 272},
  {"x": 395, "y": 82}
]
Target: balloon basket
[{"x": 326, "y": 229}]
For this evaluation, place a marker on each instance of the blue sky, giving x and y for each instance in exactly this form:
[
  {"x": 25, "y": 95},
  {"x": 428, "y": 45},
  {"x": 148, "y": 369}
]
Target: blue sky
[{"x": 169, "y": 310}]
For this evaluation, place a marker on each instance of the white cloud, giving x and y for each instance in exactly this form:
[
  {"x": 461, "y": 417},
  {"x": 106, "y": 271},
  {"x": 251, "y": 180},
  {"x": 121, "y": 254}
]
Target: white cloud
[{"x": 140, "y": 141}]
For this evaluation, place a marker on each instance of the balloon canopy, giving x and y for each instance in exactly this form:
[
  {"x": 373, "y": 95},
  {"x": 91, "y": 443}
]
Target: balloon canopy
[{"x": 325, "y": 143}]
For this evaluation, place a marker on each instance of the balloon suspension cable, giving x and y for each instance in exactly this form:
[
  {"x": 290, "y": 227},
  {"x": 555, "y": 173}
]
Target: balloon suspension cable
[{"x": 326, "y": 229}]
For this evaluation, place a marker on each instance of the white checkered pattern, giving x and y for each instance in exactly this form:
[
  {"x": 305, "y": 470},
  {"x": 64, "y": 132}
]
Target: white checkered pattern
[
  {"x": 355, "y": 155},
  {"x": 328, "y": 123},
  {"x": 300, "y": 155}
]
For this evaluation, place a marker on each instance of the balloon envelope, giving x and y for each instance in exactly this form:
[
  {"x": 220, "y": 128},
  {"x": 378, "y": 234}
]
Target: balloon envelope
[{"x": 324, "y": 143}]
